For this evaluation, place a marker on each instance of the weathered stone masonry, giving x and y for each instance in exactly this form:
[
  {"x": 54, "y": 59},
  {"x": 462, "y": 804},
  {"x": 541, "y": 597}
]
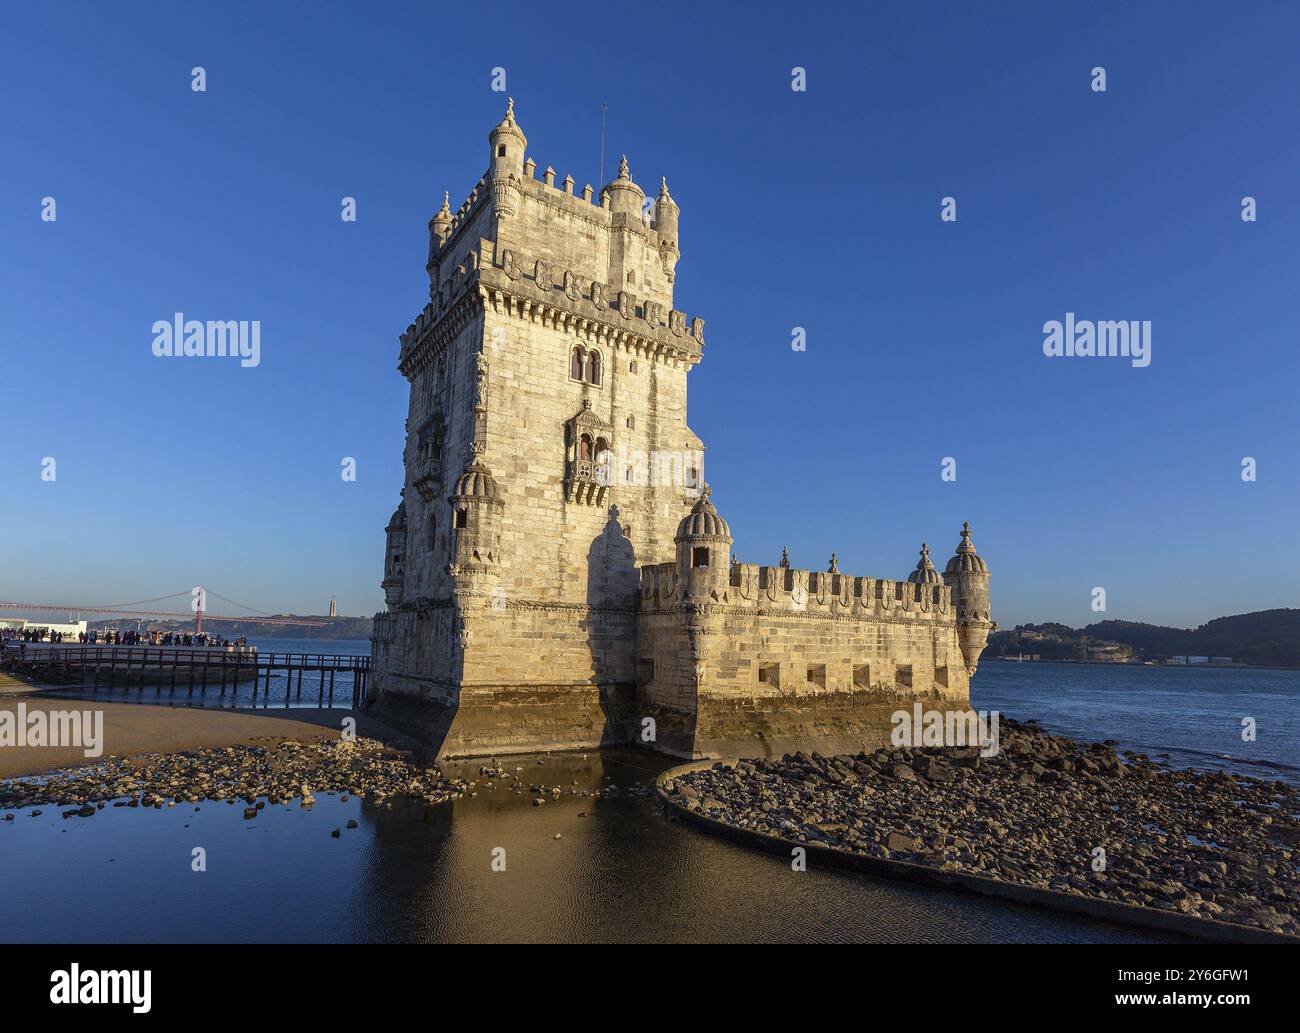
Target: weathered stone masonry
[{"x": 554, "y": 574}]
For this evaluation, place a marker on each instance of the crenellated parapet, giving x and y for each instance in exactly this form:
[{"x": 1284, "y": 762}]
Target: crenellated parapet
[
  {"x": 778, "y": 589},
  {"x": 543, "y": 292}
]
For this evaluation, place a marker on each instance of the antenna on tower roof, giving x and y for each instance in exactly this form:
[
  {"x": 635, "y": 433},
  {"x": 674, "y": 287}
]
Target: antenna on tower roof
[{"x": 603, "y": 109}]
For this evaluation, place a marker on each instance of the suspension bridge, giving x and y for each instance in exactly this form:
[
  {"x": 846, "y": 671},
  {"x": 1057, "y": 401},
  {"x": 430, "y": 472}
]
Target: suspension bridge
[{"x": 195, "y": 604}]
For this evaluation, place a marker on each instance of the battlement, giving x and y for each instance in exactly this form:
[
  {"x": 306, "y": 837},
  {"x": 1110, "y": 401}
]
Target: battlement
[
  {"x": 792, "y": 590},
  {"x": 584, "y": 205},
  {"x": 541, "y": 290}
]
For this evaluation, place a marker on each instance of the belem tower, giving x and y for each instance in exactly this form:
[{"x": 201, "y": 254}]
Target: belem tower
[{"x": 548, "y": 586}]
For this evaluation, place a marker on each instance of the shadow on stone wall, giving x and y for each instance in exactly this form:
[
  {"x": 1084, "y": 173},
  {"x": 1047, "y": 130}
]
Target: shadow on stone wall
[{"x": 613, "y": 582}]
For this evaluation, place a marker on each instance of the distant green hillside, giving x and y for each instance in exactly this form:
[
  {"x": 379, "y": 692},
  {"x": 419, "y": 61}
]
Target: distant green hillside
[
  {"x": 335, "y": 627},
  {"x": 1267, "y": 638}
]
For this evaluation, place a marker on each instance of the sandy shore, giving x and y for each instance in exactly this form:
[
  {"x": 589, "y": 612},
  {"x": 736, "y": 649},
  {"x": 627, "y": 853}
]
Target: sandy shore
[{"x": 131, "y": 729}]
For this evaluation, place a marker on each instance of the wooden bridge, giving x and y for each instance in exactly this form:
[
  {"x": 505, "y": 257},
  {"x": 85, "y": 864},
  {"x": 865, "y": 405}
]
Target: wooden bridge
[{"x": 188, "y": 669}]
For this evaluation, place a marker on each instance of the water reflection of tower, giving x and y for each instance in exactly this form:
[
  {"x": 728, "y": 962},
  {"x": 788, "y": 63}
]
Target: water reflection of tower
[{"x": 334, "y": 607}]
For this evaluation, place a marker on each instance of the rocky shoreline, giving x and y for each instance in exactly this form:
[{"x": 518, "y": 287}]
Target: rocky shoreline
[
  {"x": 273, "y": 770},
  {"x": 1045, "y": 812}
]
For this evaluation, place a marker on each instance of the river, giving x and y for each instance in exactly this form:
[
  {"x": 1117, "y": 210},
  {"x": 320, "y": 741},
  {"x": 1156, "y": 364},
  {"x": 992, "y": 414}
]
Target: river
[{"x": 620, "y": 871}]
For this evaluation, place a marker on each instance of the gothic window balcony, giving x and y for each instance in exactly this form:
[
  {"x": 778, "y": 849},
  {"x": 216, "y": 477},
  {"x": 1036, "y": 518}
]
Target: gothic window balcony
[
  {"x": 588, "y": 471},
  {"x": 587, "y": 480}
]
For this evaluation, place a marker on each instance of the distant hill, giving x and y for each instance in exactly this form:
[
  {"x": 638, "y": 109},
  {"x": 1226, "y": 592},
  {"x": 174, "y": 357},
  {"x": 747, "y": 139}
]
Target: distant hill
[
  {"x": 1267, "y": 638},
  {"x": 335, "y": 627}
]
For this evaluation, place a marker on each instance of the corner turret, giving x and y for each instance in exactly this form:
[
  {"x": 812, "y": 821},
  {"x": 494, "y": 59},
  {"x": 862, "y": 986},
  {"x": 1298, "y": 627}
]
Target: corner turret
[
  {"x": 476, "y": 508},
  {"x": 968, "y": 576},
  {"x": 704, "y": 551},
  {"x": 506, "y": 162},
  {"x": 925, "y": 573},
  {"x": 439, "y": 229},
  {"x": 508, "y": 145},
  {"x": 624, "y": 195},
  {"x": 394, "y": 563},
  {"x": 666, "y": 213}
]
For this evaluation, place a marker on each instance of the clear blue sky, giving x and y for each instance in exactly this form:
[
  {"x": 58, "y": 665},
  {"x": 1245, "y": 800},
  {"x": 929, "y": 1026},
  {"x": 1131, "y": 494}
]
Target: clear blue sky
[{"x": 817, "y": 209}]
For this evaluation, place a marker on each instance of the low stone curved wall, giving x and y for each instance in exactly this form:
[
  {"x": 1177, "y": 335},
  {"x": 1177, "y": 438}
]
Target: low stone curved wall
[{"x": 1091, "y": 907}]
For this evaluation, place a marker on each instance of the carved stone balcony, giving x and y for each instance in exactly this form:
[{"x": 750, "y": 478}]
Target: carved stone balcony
[
  {"x": 427, "y": 478},
  {"x": 587, "y": 481}
]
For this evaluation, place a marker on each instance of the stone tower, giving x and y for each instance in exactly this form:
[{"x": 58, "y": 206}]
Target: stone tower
[
  {"x": 547, "y": 457},
  {"x": 968, "y": 576},
  {"x": 555, "y": 577}
]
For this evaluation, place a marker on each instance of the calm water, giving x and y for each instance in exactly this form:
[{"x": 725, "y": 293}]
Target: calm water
[
  {"x": 620, "y": 872},
  {"x": 1191, "y": 715}
]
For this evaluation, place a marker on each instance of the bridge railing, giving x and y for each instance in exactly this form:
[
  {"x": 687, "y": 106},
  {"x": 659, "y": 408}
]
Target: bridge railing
[{"x": 196, "y": 666}]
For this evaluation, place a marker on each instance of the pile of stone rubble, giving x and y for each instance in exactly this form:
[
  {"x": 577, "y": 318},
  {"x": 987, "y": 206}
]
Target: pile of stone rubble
[
  {"x": 1044, "y": 811},
  {"x": 270, "y": 771}
]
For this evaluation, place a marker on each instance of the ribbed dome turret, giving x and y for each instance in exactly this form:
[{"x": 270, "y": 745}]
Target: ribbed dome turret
[
  {"x": 925, "y": 574},
  {"x": 966, "y": 561},
  {"x": 398, "y": 521},
  {"x": 476, "y": 482},
  {"x": 703, "y": 521}
]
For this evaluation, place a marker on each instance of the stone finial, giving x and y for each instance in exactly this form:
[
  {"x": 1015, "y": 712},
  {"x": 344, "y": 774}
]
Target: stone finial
[
  {"x": 586, "y": 192},
  {"x": 706, "y": 491},
  {"x": 549, "y": 176},
  {"x": 446, "y": 202},
  {"x": 508, "y": 125},
  {"x": 568, "y": 185},
  {"x": 663, "y": 188},
  {"x": 785, "y": 556},
  {"x": 622, "y": 168},
  {"x": 834, "y": 568}
]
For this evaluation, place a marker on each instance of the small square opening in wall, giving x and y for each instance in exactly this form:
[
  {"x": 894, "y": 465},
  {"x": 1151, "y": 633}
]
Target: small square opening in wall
[
  {"x": 645, "y": 671},
  {"x": 501, "y": 150},
  {"x": 903, "y": 677},
  {"x": 462, "y": 518},
  {"x": 817, "y": 676},
  {"x": 862, "y": 677},
  {"x": 699, "y": 557},
  {"x": 770, "y": 675},
  {"x": 941, "y": 677}
]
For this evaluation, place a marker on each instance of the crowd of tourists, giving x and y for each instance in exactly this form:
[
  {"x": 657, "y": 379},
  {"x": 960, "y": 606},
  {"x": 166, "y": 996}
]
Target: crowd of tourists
[{"x": 114, "y": 637}]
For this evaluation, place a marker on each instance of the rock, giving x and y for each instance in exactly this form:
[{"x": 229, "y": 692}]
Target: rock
[
  {"x": 903, "y": 773},
  {"x": 896, "y": 842},
  {"x": 336, "y": 833}
]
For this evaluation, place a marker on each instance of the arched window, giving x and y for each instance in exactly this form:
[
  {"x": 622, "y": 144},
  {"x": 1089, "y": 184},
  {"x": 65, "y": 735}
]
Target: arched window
[
  {"x": 593, "y": 368},
  {"x": 575, "y": 364}
]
